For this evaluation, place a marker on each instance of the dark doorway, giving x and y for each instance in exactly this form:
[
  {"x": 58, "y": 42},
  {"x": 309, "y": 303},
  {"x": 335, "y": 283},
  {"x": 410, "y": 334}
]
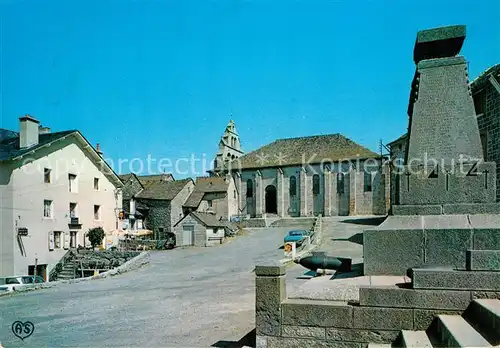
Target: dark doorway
[{"x": 271, "y": 206}]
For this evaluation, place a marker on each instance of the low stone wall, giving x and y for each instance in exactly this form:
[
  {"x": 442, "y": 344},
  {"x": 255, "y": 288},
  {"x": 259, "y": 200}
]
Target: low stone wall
[
  {"x": 104, "y": 259},
  {"x": 252, "y": 223},
  {"x": 132, "y": 264},
  {"x": 295, "y": 222},
  {"x": 378, "y": 317}
]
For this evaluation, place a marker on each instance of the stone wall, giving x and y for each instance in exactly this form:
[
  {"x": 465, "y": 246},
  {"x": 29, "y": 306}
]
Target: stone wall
[
  {"x": 176, "y": 204},
  {"x": 219, "y": 204},
  {"x": 377, "y": 317},
  {"x": 158, "y": 217},
  {"x": 487, "y": 101}
]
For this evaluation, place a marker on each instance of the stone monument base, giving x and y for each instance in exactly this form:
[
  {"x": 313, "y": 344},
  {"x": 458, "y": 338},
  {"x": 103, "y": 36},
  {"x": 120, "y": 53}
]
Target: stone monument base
[{"x": 408, "y": 241}]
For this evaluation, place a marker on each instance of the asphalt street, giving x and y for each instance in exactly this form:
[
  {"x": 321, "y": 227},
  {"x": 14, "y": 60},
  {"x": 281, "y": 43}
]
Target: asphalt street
[{"x": 194, "y": 297}]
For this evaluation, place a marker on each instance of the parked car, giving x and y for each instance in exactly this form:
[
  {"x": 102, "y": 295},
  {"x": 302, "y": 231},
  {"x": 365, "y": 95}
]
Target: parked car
[
  {"x": 297, "y": 236},
  {"x": 8, "y": 283}
]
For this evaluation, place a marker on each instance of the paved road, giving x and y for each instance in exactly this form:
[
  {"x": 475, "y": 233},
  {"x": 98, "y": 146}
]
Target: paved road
[{"x": 198, "y": 297}]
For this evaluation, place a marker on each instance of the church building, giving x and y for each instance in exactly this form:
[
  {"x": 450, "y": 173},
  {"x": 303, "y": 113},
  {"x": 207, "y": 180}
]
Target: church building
[{"x": 306, "y": 176}]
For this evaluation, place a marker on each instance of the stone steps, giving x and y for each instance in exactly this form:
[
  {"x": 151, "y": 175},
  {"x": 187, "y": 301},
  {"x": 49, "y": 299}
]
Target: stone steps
[
  {"x": 68, "y": 272},
  {"x": 478, "y": 326},
  {"x": 484, "y": 316},
  {"x": 415, "y": 339},
  {"x": 455, "y": 331}
]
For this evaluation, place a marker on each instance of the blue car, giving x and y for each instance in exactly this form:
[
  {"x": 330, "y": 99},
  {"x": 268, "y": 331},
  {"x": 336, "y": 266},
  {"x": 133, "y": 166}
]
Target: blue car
[{"x": 297, "y": 236}]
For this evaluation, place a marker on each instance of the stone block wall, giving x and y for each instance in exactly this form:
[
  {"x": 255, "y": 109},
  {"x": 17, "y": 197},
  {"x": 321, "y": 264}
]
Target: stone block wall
[
  {"x": 487, "y": 100},
  {"x": 378, "y": 317},
  {"x": 158, "y": 216}
]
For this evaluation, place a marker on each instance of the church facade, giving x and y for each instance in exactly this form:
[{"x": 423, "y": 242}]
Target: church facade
[{"x": 307, "y": 176}]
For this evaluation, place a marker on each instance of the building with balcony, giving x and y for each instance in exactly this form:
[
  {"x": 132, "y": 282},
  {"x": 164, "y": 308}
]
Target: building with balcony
[{"x": 54, "y": 187}]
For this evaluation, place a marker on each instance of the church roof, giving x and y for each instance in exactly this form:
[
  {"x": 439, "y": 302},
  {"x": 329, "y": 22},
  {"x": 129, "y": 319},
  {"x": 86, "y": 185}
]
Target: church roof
[{"x": 304, "y": 150}]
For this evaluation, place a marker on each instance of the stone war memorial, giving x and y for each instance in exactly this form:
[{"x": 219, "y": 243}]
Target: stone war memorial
[{"x": 431, "y": 270}]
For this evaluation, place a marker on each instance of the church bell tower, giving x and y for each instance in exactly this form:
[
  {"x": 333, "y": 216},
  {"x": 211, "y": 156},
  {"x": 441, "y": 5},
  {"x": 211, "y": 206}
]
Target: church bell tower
[{"x": 229, "y": 149}]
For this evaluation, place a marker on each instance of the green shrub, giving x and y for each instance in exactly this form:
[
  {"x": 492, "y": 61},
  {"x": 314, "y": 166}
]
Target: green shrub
[{"x": 96, "y": 235}]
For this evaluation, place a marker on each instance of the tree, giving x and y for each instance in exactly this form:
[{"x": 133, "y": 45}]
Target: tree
[{"x": 96, "y": 235}]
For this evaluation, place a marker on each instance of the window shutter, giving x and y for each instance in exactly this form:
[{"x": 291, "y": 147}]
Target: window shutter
[
  {"x": 66, "y": 238},
  {"x": 51, "y": 240}
]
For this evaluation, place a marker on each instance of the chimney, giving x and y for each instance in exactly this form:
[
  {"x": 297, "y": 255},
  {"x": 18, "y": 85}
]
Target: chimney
[
  {"x": 28, "y": 131},
  {"x": 43, "y": 130},
  {"x": 98, "y": 149}
]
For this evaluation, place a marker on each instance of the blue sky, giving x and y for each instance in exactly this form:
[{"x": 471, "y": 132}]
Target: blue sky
[{"x": 162, "y": 78}]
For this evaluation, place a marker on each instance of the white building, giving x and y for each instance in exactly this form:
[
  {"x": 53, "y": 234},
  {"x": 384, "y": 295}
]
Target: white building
[{"x": 54, "y": 187}]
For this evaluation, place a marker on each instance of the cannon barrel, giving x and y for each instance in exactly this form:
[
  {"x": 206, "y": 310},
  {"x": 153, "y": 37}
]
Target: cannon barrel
[{"x": 316, "y": 262}]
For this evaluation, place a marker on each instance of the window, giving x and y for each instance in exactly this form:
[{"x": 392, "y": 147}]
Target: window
[
  {"x": 46, "y": 175},
  {"x": 47, "y": 208},
  {"x": 209, "y": 204},
  {"x": 368, "y": 181},
  {"x": 72, "y": 182},
  {"x": 234, "y": 194},
  {"x": 293, "y": 186},
  {"x": 57, "y": 240},
  {"x": 215, "y": 230},
  {"x": 96, "y": 183},
  {"x": 479, "y": 102},
  {"x": 315, "y": 184},
  {"x": 249, "y": 188},
  {"x": 340, "y": 183},
  {"x": 72, "y": 240},
  {"x": 97, "y": 212},
  {"x": 72, "y": 210}
]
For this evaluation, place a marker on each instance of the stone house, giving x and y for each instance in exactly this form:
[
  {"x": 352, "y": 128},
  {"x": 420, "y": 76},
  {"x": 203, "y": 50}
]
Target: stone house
[
  {"x": 155, "y": 201},
  {"x": 325, "y": 174},
  {"x": 202, "y": 229},
  {"x": 54, "y": 187},
  {"x": 216, "y": 194},
  {"x": 485, "y": 90}
]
